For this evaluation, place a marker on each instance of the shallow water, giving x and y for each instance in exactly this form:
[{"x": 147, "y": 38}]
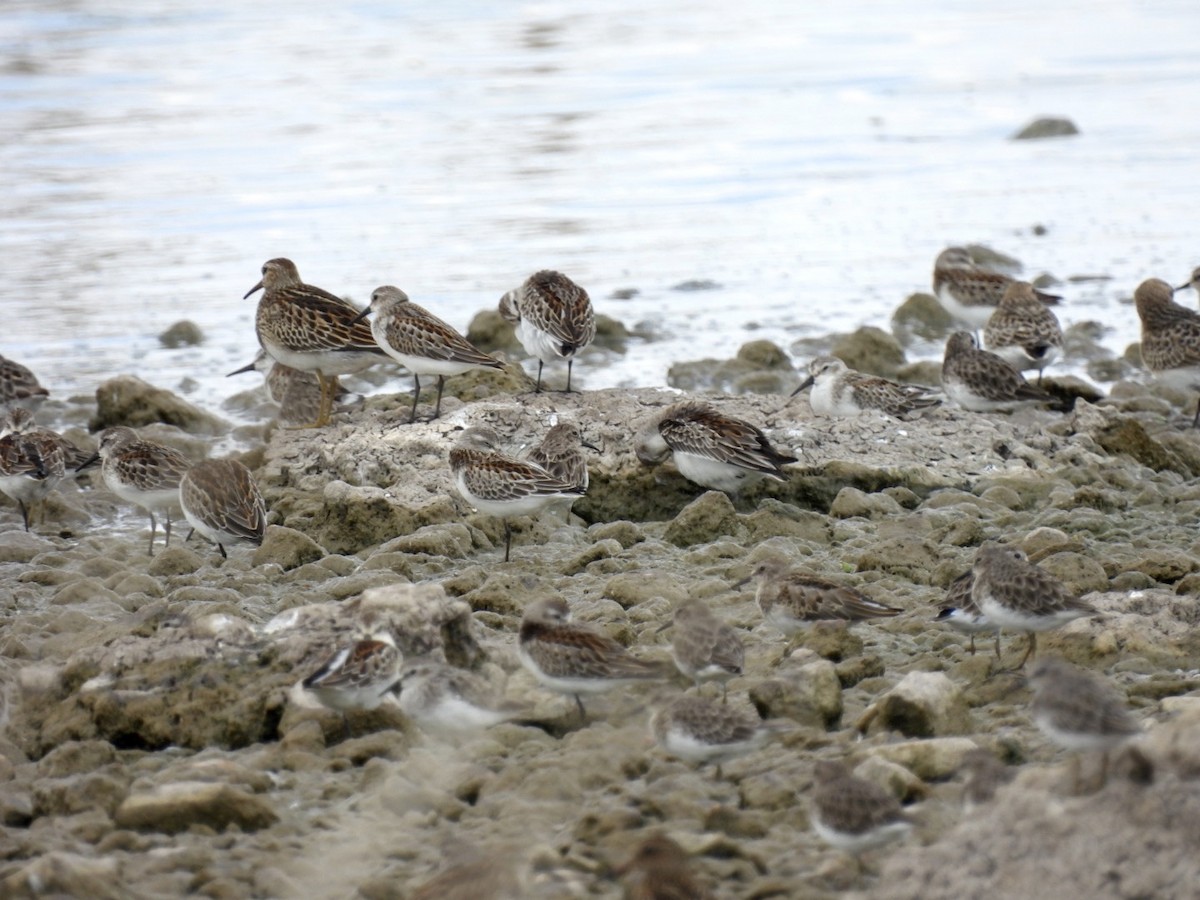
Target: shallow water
[{"x": 811, "y": 166}]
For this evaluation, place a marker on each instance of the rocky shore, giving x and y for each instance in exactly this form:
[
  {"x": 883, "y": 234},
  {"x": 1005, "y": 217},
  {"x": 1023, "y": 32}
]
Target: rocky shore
[{"x": 156, "y": 743}]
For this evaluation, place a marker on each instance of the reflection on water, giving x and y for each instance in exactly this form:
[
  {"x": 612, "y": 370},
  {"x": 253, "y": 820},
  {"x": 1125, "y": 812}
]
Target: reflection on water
[{"x": 812, "y": 168}]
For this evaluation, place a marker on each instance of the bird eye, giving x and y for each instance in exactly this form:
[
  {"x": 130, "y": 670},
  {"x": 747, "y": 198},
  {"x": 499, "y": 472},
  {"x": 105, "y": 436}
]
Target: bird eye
[{"x": 264, "y": 270}]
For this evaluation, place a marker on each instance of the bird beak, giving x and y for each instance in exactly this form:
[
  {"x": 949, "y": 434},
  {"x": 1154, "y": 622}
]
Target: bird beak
[
  {"x": 362, "y": 315},
  {"x": 91, "y": 460},
  {"x": 589, "y": 446},
  {"x": 257, "y": 287},
  {"x": 249, "y": 368},
  {"x": 745, "y": 581},
  {"x": 664, "y": 626},
  {"x": 1183, "y": 287},
  {"x": 806, "y": 383}
]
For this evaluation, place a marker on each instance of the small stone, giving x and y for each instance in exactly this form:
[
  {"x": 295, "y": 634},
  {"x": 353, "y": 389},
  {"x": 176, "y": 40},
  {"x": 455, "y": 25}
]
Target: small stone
[
  {"x": 708, "y": 517},
  {"x": 127, "y": 400},
  {"x": 182, "y": 334},
  {"x": 764, "y": 355},
  {"x": 811, "y": 695},
  {"x": 1046, "y": 127},
  {"x": 923, "y": 704},
  {"x": 176, "y": 807},
  {"x": 923, "y": 317},
  {"x": 75, "y": 757},
  {"x": 286, "y": 548},
  {"x": 174, "y": 561},
  {"x": 870, "y": 350},
  {"x": 851, "y": 503},
  {"x": 933, "y": 759}
]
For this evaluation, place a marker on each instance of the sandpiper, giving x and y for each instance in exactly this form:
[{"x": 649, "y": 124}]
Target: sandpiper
[
  {"x": 791, "y": 599},
  {"x": 19, "y": 387},
  {"x": 1078, "y": 711},
  {"x": 221, "y": 501},
  {"x": 703, "y": 646},
  {"x": 553, "y": 318},
  {"x": 421, "y": 342},
  {"x": 296, "y": 393},
  {"x": 312, "y": 330},
  {"x": 448, "y": 700},
  {"x": 968, "y": 292},
  {"x": 980, "y": 381},
  {"x": 838, "y": 390},
  {"x": 1193, "y": 282},
  {"x": 142, "y": 472},
  {"x": 356, "y": 676},
  {"x": 960, "y": 612},
  {"x": 701, "y": 730},
  {"x": 572, "y": 658},
  {"x": 710, "y": 448},
  {"x": 33, "y": 460},
  {"x": 658, "y": 870},
  {"x": 500, "y": 485},
  {"x": 1023, "y": 331},
  {"x": 1013, "y": 593},
  {"x": 853, "y": 814},
  {"x": 1170, "y": 338}
]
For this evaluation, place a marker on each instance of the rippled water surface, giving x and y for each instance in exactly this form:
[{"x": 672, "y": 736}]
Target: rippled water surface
[{"x": 808, "y": 160}]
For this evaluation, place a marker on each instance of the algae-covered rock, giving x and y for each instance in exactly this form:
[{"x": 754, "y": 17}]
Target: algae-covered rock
[
  {"x": 1047, "y": 127},
  {"x": 183, "y": 333},
  {"x": 810, "y": 694},
  {"x": 871, "y": 350},
  {"x": 286, "y": 548},
  {"x": 177, "y": 807},
  {"x": 708, "y": 517},
  {"x": 127, "y": 400},
  {"x": 923, "y": 704},
  {"x": 921, "y": 316}
]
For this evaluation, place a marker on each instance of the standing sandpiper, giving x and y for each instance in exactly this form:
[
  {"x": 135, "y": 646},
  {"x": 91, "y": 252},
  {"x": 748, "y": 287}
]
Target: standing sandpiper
[
  {"x": 553, "y": 318},
  {"x": 1170, "y": 338},
  {"x": 421, "y": 342},
  {"x": 968, "y": 292},
  {"x": 1023, "y": 330},
  {"x": 312, "y": 330}
]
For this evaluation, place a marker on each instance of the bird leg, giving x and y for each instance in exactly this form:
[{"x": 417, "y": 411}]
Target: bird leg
[
  {"x": 222, "y": 549},
  {"x": 24, "y": 513},
  {"x": 582, "y": 711},
  {"x": 1029, "y": 651},
  {"x": 507, "y": 546},
  {"x": 153, "y": 528},
  {"x": 538, "y": 388},
  {"x": 437, "y": 410},
  {"x": 416, "y": 396},
  {"x": 570, "y": 362},
  {"x": 167, "y": 529},
  {"x": 1196, "y": 420}
]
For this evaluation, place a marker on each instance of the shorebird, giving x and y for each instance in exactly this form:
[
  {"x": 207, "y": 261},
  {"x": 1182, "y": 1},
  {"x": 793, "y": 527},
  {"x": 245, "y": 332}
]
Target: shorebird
[
  {"x": 296, "y": 393},
  {"x": 1078, "y": 711},
  {"x": 658, "y": 870},
  {"x": 1023, "y": 331},
  {"x": 421, "y": 342},
  {"x": 312, "y": 330},
  {"x": 572, "y": 658},
  {"x": 221, "y": 501},
  {"x": 449, "y": 700},
  {"x": 703, "y": 647},
  {"x": 1170, "y": 338},
  {"x": 853, "y": 814},
  {"x": 142, "y": 472},
  {"x": 702, "y": 731},
  {"x": 356, "y": 676},
  {"x": 980, "y": 381},
  {"x": 500, "y": 485},
  {"x": 710, "y": 448},
  {"x": 968, "y": 292},
  {"x": 838, "y": 390},
  {"x": 33, "y": 460},
  {"x": 1013, "y": 593},
  {"x": 19, "y": 387},
  {"x": 553, "y": 318},
  {"x": 959, "y": 611},
  {"x": 791, "y": 599}
]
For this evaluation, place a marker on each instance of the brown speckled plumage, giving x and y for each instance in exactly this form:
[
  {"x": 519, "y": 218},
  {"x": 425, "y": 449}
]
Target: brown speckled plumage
[
  {"x": 658, "y": 870},
  {"x": 222, "y": 502},
  {"x": 19, "y": 386},
  {"x": 553, "y": 317},
  {"x": 703, "y": 646},
  {"x": 968, "y": 291},
  {"x": 1023, "y": 330},
  {"x": 981, "y": 381}
]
